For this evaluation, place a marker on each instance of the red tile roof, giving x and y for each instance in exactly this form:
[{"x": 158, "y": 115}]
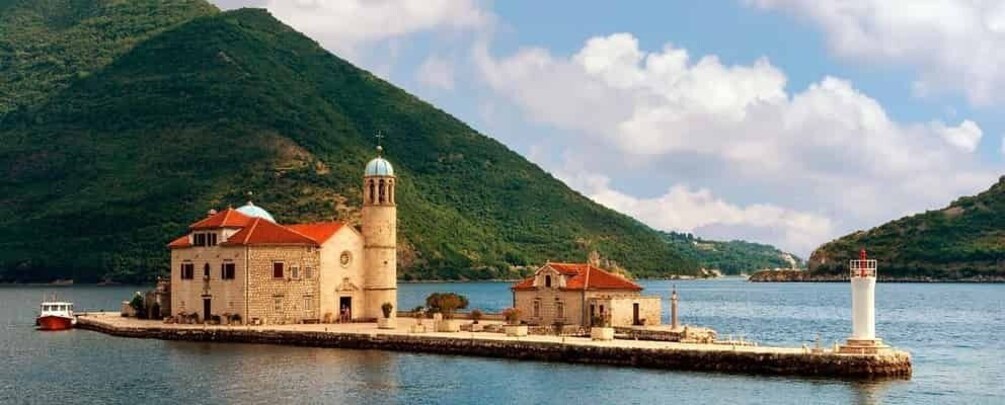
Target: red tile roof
[
  {"x": 319, "y": 231},
  {"x": 182, "y": 242},
  {"x": 263, "y": 232},
  {"x": 579, "y": 274},
  {"x": 228, "y": 218}
]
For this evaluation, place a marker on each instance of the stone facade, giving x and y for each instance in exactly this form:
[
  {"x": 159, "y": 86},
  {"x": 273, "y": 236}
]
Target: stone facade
[
  {"x": 287, "y": 299},
  {"x": 572, "y": 294},
  {"x": 240, "y": 262}
]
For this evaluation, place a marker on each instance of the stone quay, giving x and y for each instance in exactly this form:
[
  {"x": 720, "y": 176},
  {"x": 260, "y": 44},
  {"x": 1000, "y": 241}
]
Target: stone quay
[{"x": 727, "y": 358}]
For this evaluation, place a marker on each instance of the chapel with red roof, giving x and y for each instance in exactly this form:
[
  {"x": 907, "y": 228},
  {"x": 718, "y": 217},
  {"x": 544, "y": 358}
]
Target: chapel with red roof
[
  {"x": 583, "y": 294},
  {"x": 241, "y": 261}
]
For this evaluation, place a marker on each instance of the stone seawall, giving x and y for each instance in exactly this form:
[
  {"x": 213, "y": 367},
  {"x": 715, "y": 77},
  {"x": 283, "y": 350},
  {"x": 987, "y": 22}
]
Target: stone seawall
[{"x": 764, "y": 362}]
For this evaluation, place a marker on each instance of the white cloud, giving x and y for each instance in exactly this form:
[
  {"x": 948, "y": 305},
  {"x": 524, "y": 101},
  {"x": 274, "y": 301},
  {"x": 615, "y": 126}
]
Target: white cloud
[
  {"x": 966, "y": 137},
  {"x": 344, "y": 25},
  {"x": 437, "y": 73},
  {"x": 954, "y": 43},
  {"x": 685, "y": 210},
  {"x": 828, "y": 148}
]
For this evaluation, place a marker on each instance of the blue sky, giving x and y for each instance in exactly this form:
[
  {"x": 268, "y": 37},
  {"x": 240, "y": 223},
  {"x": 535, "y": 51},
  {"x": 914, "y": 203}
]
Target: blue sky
[{"x": 788, "y": 122}]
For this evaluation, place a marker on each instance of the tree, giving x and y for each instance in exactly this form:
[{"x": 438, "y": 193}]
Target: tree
[{"x": 446, "y": 303}]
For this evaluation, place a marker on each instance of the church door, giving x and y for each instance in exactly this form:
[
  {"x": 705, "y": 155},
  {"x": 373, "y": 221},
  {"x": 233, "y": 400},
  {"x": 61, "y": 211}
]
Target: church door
[
  {"x": 345, "y": 309},
  {"x": 206, "y": 307}
]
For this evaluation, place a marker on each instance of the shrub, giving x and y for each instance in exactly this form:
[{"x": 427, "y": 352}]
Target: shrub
[
  {"x": 476, "y": 315},
  {"x": 386, "y": 308},
  {"x": 512, "y": 316}
]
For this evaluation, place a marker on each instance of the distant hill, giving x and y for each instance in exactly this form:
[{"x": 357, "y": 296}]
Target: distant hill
[
  {"x": 732, "y": 257},
  {"x": 964, "y": 241},
  {"x": 124, "y": 121}
]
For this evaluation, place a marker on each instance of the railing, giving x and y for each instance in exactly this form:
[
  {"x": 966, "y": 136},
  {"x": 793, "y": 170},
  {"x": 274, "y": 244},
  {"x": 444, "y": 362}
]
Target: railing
[{"x": 862, "y": 268}]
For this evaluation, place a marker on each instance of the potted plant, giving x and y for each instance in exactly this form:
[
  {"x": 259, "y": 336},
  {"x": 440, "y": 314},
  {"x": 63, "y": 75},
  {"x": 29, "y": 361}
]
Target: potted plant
[
  {"x": 419, "y": 312},
  {"x": 513, "y": 326},
  {"x": 386, "y": 322},
  {"x": 445, "y": 304},
  {"x": 476, "y": 315},
  {"x": 601, "y": 328}
]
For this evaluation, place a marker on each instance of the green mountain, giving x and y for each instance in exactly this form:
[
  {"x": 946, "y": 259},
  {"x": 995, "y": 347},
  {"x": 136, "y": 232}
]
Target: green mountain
[
  {"x": 128, "y": 120},
  {"x": 964, "y": 241},
  {"x": 731, "y": 257}
]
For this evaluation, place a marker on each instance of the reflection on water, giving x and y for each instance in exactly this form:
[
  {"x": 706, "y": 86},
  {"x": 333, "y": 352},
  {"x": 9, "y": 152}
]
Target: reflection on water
[{"x": 951, "y": 329}]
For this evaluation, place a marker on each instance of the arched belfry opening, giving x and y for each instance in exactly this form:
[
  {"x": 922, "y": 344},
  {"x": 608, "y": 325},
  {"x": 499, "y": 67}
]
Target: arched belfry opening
[{"x": 381, "y": 192}]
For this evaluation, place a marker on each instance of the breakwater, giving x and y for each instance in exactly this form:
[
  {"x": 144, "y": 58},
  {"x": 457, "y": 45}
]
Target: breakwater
[{"x": 627, "y": 353}]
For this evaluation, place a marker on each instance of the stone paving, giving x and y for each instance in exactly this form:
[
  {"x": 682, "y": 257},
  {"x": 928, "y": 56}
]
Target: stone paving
[{"x": 115, "y": 320}]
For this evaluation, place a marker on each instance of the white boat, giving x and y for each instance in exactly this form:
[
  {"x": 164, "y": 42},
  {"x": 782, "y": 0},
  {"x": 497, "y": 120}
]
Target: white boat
[{"x": 55, "y": 315}]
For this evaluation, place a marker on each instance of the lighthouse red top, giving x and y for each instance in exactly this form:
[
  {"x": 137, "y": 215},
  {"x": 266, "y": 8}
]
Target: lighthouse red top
[{"x": 863, "y": 267}]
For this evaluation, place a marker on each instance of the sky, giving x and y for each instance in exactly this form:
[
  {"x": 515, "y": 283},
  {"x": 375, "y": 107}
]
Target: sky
[{"x": 787, "y": 122}]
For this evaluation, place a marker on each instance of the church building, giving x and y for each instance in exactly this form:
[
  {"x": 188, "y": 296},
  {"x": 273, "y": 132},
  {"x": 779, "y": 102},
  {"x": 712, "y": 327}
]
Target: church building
[{"x": 242, "y": 262}]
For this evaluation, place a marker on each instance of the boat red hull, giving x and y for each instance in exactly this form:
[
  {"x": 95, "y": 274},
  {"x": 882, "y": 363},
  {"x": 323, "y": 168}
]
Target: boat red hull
[{"x": 54, "y": 323}]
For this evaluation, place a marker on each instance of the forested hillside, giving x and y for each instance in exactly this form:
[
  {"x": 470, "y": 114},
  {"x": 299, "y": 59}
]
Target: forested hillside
[{"x": 126, "y": 121}]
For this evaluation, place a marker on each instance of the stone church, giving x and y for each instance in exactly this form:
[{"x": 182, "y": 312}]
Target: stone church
[{"x": 241, "y": 262}]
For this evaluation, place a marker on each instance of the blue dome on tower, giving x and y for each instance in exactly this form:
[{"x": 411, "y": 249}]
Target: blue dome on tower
[
  {"x": 379, "y": 166},
  {"x": 255, "y": 211}
]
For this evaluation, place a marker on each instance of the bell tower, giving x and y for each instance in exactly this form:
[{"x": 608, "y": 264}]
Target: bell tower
[{"x": 380, "y": 236}]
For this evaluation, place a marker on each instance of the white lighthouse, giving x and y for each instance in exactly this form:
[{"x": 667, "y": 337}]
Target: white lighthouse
[{"x": 863, "y": 307}]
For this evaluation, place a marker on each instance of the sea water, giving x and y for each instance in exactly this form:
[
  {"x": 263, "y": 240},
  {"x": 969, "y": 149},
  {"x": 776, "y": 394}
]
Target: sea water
[{"x": 953, "y": 331}]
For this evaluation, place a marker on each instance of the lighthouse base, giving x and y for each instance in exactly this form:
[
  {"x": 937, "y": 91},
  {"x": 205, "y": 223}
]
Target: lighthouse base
[{"x": 863, "y": 346}]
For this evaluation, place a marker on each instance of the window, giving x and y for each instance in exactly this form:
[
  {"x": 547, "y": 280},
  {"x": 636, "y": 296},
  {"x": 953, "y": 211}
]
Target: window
[
  {"x": 371, "y": 192},
  {"x": 277, "y": 302},
  {"x": 380, "y": 192},
  {"x": 308, "y": 272},
  {"x": 227, "y": 270},
  {"x": 205, "y": 271},
  {"x": 277, "y": 269},
  {"x": 295, "y": 272},
  {"x": 547, "y": 281},
  {"x": 559, "y": 309},
  {"x": 537, "y": 308},
  {"x": 187, "y": 271},
  {"x": 204, "y": 239},
  {"x": 308, "y": 303}
]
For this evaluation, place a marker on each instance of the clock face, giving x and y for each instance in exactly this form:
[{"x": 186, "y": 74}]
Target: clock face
[{"x": 345, "y": 258}]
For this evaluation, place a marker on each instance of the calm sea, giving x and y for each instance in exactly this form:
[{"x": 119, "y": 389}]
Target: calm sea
[{"x": 954, "y": 332}]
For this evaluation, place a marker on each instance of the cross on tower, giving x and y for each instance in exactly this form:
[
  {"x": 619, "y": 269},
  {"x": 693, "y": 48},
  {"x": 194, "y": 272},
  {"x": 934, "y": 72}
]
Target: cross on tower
[{"x": 380, "y": 137}]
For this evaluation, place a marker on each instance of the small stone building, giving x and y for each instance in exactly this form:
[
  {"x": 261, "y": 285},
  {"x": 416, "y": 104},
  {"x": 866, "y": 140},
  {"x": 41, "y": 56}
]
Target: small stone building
[
  {"x": 242, "y": 262},
  {"x": 578, "y": 293}
]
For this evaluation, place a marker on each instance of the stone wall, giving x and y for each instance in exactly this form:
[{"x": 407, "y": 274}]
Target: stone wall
[
  {"x": 549, "y": 299},
  {"x": 226, "y": 296},
  {"x": 287, "y": 299}
]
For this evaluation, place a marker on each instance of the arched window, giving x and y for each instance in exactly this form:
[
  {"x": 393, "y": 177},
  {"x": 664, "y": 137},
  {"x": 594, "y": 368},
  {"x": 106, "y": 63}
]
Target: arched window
[
  {"x": 537, "y": 308},
  {"x": 390, "y": 191},
  {"x": 381, "y": 191},
  {"x": 547, "y": 281},
  {"x": 371, "y": 192}
]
